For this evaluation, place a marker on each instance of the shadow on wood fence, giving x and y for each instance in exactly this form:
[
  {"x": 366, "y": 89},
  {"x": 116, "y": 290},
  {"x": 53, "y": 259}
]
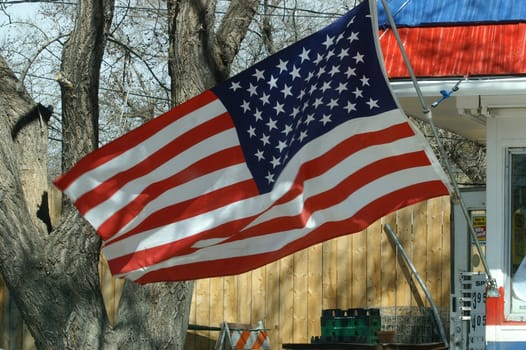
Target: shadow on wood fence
[{"x": 358, "y": 270}]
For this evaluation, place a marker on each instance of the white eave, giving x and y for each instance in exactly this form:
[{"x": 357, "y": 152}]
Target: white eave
[{"x": 466, "y": 110}]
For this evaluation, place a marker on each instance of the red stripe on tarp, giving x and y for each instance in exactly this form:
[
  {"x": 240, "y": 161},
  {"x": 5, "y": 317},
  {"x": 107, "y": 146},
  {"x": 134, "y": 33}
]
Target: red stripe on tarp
[{"x": 490, "y": 49}]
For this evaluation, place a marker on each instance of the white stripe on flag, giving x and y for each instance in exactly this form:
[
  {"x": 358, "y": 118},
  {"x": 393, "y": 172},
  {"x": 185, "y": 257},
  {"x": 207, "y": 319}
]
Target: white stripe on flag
[
  {"x": 277, "y": 240},
  {"x": 200, "y": 186},
  {"x": 128, "y": 192},
  {"x": 91, "y": 179}
]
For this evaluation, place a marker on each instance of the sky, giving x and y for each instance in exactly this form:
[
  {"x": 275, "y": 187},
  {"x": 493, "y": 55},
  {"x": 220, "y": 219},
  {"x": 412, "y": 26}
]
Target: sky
[{"x": 18, "y": 11}]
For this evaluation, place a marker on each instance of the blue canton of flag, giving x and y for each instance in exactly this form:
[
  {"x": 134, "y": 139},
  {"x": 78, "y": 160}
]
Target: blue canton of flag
[{"x": 304, "y": 91}]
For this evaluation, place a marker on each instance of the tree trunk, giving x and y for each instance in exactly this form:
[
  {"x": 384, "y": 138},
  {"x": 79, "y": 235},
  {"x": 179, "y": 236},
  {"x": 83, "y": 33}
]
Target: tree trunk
[
  {"x": 54, "y": 277},
  {"x": 37, "y": 268},
  {"x": 200, "y": 57}
]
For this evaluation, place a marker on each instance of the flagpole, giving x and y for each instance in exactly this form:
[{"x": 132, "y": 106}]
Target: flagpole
[{"x": 427, "y": 113}]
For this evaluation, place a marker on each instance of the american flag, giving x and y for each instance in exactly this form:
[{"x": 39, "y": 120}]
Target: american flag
[{"x": 307, "y": 145}]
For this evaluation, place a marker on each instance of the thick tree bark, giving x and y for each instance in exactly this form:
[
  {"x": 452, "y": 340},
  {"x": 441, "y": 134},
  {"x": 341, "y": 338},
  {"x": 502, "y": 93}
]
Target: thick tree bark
[
  {"x": 79, "y": 79},
  {"x": 200, "y": 57},
  {"x": 59, "y": 293},
  {"x": 40, "y": 272}
]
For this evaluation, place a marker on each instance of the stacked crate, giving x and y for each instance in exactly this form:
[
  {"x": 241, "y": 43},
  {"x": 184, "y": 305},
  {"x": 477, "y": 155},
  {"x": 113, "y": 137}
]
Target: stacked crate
[
  {"x": 413, "y": 325},
  {"x": 349, "y": 326}
]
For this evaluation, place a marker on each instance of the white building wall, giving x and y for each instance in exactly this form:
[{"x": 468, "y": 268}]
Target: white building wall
[{"x": 505, "y": 128}]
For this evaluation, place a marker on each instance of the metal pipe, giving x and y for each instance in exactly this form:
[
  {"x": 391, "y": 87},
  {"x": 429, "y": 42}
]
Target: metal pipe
[{"x": 436, "y": 315}]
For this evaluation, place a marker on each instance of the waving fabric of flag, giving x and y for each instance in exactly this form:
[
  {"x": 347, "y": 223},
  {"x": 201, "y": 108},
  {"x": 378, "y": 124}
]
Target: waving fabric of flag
[{"x": 307, "y": 145}]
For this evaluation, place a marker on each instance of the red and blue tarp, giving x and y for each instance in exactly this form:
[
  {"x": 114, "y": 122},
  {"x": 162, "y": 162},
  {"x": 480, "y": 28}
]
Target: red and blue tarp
[{"x": 455, "y": 38}]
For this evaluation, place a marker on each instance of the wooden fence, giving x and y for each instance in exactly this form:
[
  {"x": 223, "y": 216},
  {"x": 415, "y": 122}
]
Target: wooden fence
[{"x": 358, "y": 270}]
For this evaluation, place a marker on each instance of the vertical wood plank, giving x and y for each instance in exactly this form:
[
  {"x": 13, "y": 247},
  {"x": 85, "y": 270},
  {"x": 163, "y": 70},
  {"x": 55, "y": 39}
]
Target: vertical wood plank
[
  {"x": 286, "y": 323},
  {"x": 55, "y": 204},
  {"x": 107, "y": 288},
  {"x": 421, "y": 239},
  {"x": 359, "y": 272},
  {"x": 244, "y": 287},
  {"x": 404, "y": 231},
  {"x": 445, "y": 211},
  {"x": 350, "y": 267},
  {"x": 190, "y": 343},
  {"x": 389, "y": 264},
  {"x": 329, "y": 275},
  {"x": 314, "y": 285},
  {"x": 230, "y": 311},
  {"x": 258, "y": 297},
  {"x": 118, "y": 286},
  {"x": 342, "y": 283},
  {"x": 202, "y": 316},
  {"x": 300, "y": 297},
  {"x": 216, "y": 307},
  {"x": 273, "y": 304},
  {"x": 373, "y": 269},
  {"x": 434, "y": 251}
]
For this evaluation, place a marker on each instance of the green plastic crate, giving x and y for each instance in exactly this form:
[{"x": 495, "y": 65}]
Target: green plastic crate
[{"x": 358, "y": 324}]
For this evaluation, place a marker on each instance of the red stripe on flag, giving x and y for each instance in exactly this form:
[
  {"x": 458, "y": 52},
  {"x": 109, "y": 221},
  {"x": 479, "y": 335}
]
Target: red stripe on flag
[
  {"x": 353, "y": 144},
  {"x": 308, "y": 170},
  {"x": 183, "y": 246},
  {"x": 105, "y": 190},
  {"x": 373, "y": 211},
  {"x": 195, "y": 206},
  {"x": 131, "y": 139},
  {"x": 321, "y": 201},
  {"x": 122, "y": 217},
  {"x": 336, "y": 194},
  {"x": 358, "y": 222}
]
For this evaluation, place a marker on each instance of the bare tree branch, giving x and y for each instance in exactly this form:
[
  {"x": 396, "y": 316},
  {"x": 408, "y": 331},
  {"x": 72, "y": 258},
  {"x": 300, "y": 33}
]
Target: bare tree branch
[
  {"x": 33, "y": 58},
  {"x": 132, "y": 51}
]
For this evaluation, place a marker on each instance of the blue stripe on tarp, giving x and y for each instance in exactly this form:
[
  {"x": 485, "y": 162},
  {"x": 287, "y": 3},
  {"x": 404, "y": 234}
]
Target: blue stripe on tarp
[{"x": 413, "y": 13}]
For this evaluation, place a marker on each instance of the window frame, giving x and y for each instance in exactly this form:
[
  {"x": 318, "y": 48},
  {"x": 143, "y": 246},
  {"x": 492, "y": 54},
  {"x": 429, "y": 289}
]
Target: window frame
[{"x": 516, "y": 307}]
